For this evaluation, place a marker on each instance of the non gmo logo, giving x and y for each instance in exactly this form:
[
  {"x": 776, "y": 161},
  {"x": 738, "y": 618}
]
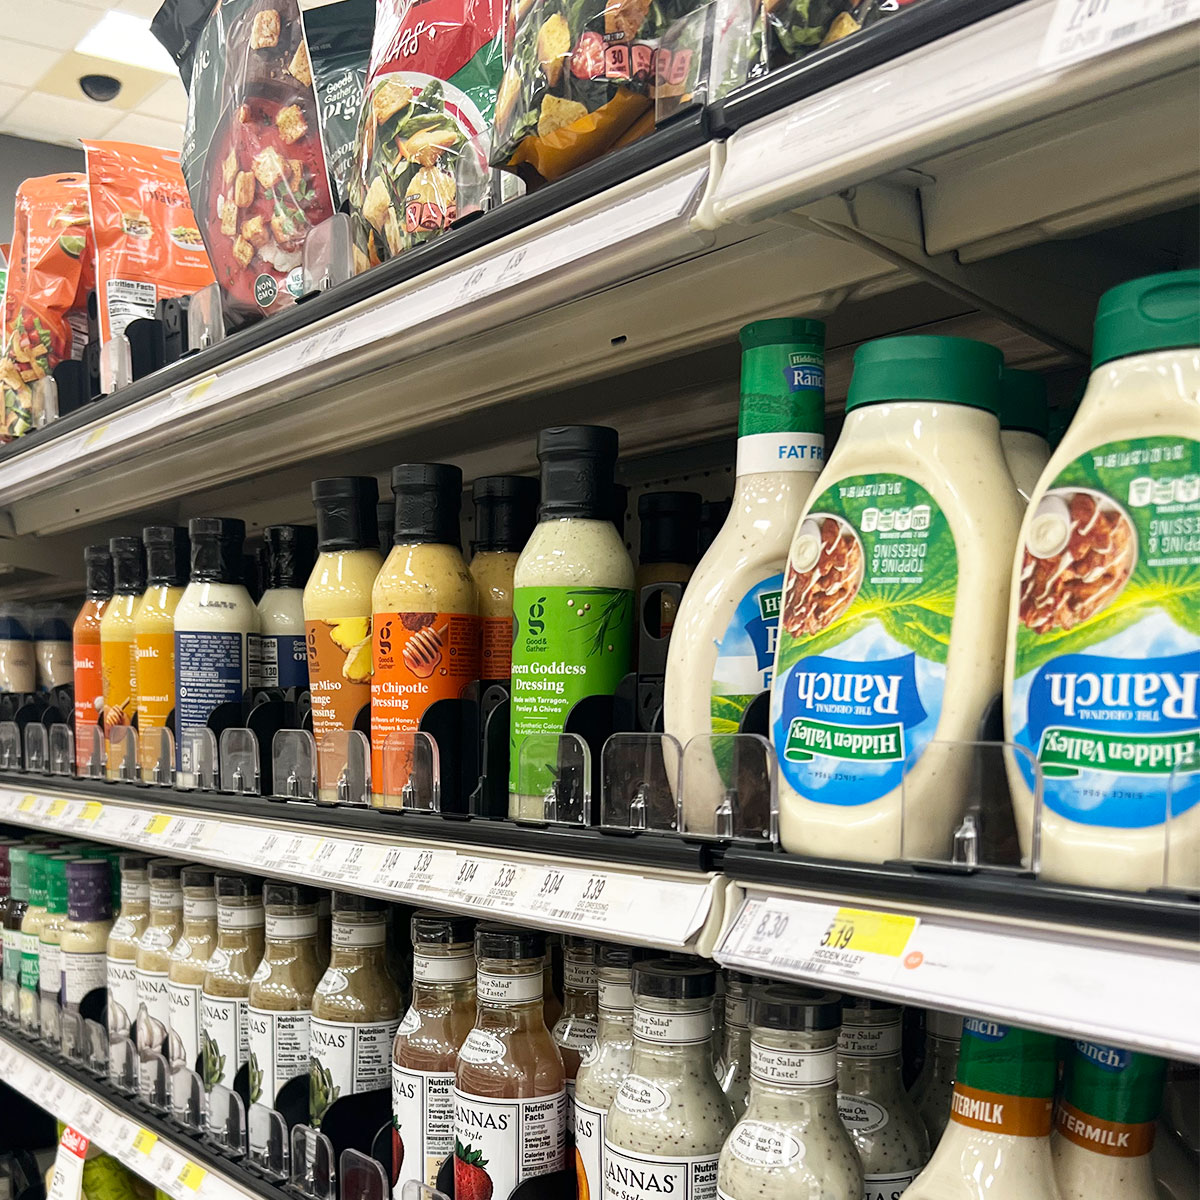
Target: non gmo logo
[
  {"x": 989, "y": 1031},
  {"x": 265, "y": 290},
  {"x": 1108, "y": 1057}
]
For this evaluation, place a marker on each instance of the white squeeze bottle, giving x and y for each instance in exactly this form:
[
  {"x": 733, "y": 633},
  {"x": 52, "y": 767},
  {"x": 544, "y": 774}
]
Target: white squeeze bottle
[
  {"x": 1102, "y": 677},
  {"x": 891, "y": 630},
  {"x": 723, "y": 642}
]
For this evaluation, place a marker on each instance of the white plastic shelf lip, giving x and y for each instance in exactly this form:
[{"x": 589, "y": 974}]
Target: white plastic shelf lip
[
  {"x": 942, "y": 95},
  {"x": 151, "y": 1156},
  {"x": 611, "y": 903},
  {"x": 544, "y": 248},
  {"x": 1134, "y": 994}
]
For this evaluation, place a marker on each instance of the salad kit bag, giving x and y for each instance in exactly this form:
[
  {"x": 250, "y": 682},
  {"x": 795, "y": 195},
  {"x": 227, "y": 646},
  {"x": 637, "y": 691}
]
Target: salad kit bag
[
  {"x": 423, "y": 136},
  {"x": 45, "y": 302},
  {"x": 147, "y": 244},
  {"x": 252, "y": 154}
]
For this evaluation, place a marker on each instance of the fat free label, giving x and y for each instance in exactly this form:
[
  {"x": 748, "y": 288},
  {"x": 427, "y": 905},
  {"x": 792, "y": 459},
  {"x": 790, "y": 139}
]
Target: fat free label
[
  {"x": 867, "y": 605},
  {"x": 1106, "y": 690}
]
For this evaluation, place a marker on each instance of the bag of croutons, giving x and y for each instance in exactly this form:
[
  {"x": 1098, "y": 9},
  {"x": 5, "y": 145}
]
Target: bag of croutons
[
  {"x": 423, "y": 136},
  {"x": 580, "y": 78},
  {"x": 252, "y": 153}
]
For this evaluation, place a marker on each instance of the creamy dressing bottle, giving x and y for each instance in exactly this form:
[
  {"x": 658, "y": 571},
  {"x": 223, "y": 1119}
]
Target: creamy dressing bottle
[
  {"x": 337, "y": 604},
  {"x": 52, "y": 647},
  {"x": 18, "y": 903},
  {"x": 505, "y": 515},
  {"x": 932, "y": 1089},
  {"x": 213, "y": 621},
  {"x": 121, "y": 948},
  {"x": 575, "y": 1031},
  {"x": 1024, "y": 427},
  {"x": 733, "y": 1066},
  {"x": 425, "y": 614},
  {"x": 872, "y": 1102},
  {"x": 425, "y": 1050},
  {"x": 572, "y": 606},
  {"x": 187, "y": 965},
  {"x": 89, "y": 682},
  {"x": 790, "y": 1143},
  {"x": 31, "y": 930},
  {"x": 722, "y": 651},
  {"x": 892, "y": 627},
  {"x": 50, "y": 964},
  {"x": 1103, "y": 649},
  {"x": 151, "y": 962},
  {"x": 168, "y": 555},
  {"x": 85, "y": 935},
  {"x": 669, "y": 1119},
  {"x": 1105, "y": 1123},
  {"x": 282, "y": 657},
  {"x": 669, "y": 547},
  {"x": 18, "y": 656},
  {"x": 996, "y": 1142},
  {"x": 118, "y": 659}
]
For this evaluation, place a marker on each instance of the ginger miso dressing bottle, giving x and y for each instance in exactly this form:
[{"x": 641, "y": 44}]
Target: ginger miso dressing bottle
[
  {"x": 572, "y": 603},
  {"x": 722, "y": 651},
  {"x": 118, "y": 657},
  {"x": 282, "y": 658},
  {"x": 89, "y": 681}
]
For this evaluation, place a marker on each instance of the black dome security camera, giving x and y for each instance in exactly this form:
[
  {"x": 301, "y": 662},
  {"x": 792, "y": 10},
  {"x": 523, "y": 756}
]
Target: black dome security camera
[{"x": 101, "y": 88}]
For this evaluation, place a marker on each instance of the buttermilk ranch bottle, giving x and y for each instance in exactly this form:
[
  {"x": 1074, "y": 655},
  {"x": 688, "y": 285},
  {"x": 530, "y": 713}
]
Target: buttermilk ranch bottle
[
  {"x": 1102, "y": 680},
  {"x": 892, "y": 626},
  {"x": 722, "y": 650}
]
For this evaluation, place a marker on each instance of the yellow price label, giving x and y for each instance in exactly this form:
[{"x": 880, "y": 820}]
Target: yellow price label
[
  {"x": 157, "y": 824},
  {"x": 145, "y": 1141},
  {"x": 27, "y": 804},
  {"x": 57, "y": 807},
  {"x": 96, "y": 436},
  {"x": 869, "y": 932},
  {"x": 192, "y": 1176},
  {"x": 91, "y": 810}
]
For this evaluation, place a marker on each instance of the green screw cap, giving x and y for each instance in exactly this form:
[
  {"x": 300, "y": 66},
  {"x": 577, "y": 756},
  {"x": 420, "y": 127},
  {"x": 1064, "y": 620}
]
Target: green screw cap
[
  {"x": 1156, "y": 312},
  {"x": 779, "y": 330},
  {"x": 37, "y": 877},
  {"x": 1023, "y": 402},
  {"x": 18, "y": 861},
  {"x": 923, "y": 367}
]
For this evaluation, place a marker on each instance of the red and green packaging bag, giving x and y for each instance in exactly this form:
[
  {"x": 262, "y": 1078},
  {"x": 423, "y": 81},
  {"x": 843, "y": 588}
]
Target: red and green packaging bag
[
  {"x": 1005, "y": 1079},
  {"x": 1110, "y": 1100},
  {"x": 424, "y": 133}
]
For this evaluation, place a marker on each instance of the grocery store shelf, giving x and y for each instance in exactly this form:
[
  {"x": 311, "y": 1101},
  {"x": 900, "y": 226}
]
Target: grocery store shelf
[
  {"x": 373, "y": 853},
  {"x": 180, "y": 1167},
  {"x": 1071, "y": 961}
]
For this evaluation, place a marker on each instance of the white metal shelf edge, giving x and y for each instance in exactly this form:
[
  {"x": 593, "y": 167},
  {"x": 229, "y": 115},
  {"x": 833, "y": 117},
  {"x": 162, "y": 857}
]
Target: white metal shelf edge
[
  {"x": 1136, "y": 994},
  {"x": 163, "y": 1163},
  {"x": 668, "y": 909}
]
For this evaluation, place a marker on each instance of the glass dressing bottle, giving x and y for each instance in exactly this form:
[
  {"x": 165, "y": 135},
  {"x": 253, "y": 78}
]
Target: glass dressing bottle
[
  {"x": 669, "y": 1119},
  {"x": 509, "y": 1092},
  {"x": 18, "y": 902},
  {"x": 790, "y": 1144},
  {"x": 151, "y": 961},
  {"x": 282, "y": 657},
  {"x": 89, "y": 680},
  {"x": 85, "y": 935},
  {"x": 50, "y": 968},
  {"x": 575, "y": 1031},
  {"x": 31, "y": 931},
  {"x": 733, "y": 1068},
  {"x": 427, "y": 1043},
  {"x": 118, "y": 657},
  {"x": 669, "y": 548},
  {"x": 121, "y": 948},
  {"x": 932, "y": 1089},
  {"x": 188, "y": 963}
]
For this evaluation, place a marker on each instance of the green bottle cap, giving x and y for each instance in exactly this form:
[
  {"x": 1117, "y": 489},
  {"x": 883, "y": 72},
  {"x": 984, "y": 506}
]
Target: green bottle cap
[
  {"x": 56, "y": 882},
  {"x": 783, "y": 377},
  {"x": 1157, "y": 312},
  {"x": 18, "y": 861},
  {"x": 1023, "y": 402},
  {"x": 923, "y": 367},
  {"x": 780, "y": 330},
  {"x": 37, "y": 877}
]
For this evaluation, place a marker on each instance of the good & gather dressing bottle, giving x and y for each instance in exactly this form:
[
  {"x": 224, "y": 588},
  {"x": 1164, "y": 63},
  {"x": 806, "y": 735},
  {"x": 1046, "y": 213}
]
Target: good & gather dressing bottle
[
  {"x": 892, "y": 627},
  {"x": 282, "y": 657},
  {"x": 31, "y": 930},
  {"x": 118, "y": 657},
  {"x": 722, "y": 651},
  {"x": 89, "y": 681}
]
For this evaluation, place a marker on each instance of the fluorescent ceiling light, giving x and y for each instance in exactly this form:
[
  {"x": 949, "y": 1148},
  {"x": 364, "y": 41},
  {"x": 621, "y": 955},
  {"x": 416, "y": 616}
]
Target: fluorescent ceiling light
[{"x": 124, "y": 38}]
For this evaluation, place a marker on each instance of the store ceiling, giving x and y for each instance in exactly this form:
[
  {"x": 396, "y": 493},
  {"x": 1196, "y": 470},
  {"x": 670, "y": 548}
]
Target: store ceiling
[{"x": 40, "y": 67}]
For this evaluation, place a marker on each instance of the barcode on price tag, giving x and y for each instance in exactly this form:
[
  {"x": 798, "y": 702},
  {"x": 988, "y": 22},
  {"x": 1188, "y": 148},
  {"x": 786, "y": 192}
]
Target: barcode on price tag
[{"x": 1081, "y": 29}]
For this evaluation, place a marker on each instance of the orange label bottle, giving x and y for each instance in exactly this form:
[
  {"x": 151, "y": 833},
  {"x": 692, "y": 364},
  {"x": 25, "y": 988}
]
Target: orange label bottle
[{"x": 89, "y": 681}]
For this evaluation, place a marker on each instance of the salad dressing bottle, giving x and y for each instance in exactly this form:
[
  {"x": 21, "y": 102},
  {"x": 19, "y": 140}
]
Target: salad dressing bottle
[
  {"x": 50, "y": 962},
  {"x": 18, "y": 903},
  {"x": 572, "y": 605},
  {"x": 575, "y": 1031},
  {"x": 122, "y": 946},
  {"x": 85, "y": 934},
  {"x": 118, "y": 658},
  {"x": 933, "y": 1088},
  {"x": 188, "y": 963},
  {"x": 425, "y": 615},
  {"x": 1024, "y": 427},
  {"x": 669, "y": 549},
  {"x": 168, "y": 555},
  {"x": 31, "y": 930},
  {"x": 52, "y": 646},
  {"x": 213, "y": 621},
  {"x": 282, "y": 657},
  {"x": 337, "y": 604},
  {"x": 733, "y": 1065},
  {"x": 89, "y": 680},
  {"x": 510, "y": 1121},
  {"x": 505, "y": 514},
  {"x": 152, "y": 961},
  {"x": 18, "y": 657},
  {"x": 722, "y": 651},
  {"x": 426, "y": 1048}
]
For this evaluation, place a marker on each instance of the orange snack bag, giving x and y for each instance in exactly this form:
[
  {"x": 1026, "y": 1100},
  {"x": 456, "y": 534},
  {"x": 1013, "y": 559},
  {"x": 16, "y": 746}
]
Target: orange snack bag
[
  {"x": 45, "y": 302},
  {"x": 148, "y": 246}
]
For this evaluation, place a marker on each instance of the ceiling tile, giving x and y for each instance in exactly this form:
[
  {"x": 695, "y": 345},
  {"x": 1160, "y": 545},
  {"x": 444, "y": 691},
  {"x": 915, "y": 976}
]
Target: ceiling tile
[
  {"x": 148, "y": 131},
  {"x": 9, "y": 95},
  {"x": 63, "y": 80},
  {"x": 169, "y": 102},
  {"x": 52, "y": 23},
  {"x": 53, "y": 119},
  {"x": 24, "y": 65},
  {"x": 139, "y": 8}
]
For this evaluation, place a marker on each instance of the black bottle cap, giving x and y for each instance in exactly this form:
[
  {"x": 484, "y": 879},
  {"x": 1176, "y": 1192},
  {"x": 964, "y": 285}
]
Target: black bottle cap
[
  {"x": 216, "y": 549},
  {"x": 505, "y": 511},
  {"x": 241, "y": 887},
  {"x": 253, "y": 573},
  {"x": 163, "y": 869},
  {"x": 441, "y": 929},
  {"x": 507, "y": 941},
  {"x": 385, "y": 518},
  {"x": 577, "y": 471},
  {"x": 294, "y": 895},
  {"x": 713, "y": 514},
  {"x": 129, "y": 565},
  {"x": 133, "y": 862},
  {"x": 291, "y": 551},
  {"x": 621, "y": 957},
  {"x": 168, "y": 553},
  {"x": 669, "y": 979},
  {"x": 787, "y": 1007},
  {"x": 428, "y": 503},
  {"x": 352, "y": 902},
  {"x": 346, "y": 512},
  {"x": 194, "y": 876},
  {"x": 669, "y": 521},
  {"x": 98, "y": 565}
]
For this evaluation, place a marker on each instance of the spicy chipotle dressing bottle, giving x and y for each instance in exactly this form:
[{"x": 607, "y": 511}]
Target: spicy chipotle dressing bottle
[{"x": 89, "y": 682}]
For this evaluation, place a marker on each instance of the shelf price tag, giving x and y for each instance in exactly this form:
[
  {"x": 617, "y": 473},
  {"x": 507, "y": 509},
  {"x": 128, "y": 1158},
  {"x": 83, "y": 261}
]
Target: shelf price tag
[
  {"x": 27, "y": 804},
  {"x": 427, "y": 873},
  {"x": 144, "y": 1141},
  {"x": 1081, "y": 29},
  {"x": 67, "y": 1183},
  {"x": 56, "y": 809},
  {"x": 501, "y": 886},
  {"x": 192, "y": 1176},
  {"x": 156, "y": 827}
]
